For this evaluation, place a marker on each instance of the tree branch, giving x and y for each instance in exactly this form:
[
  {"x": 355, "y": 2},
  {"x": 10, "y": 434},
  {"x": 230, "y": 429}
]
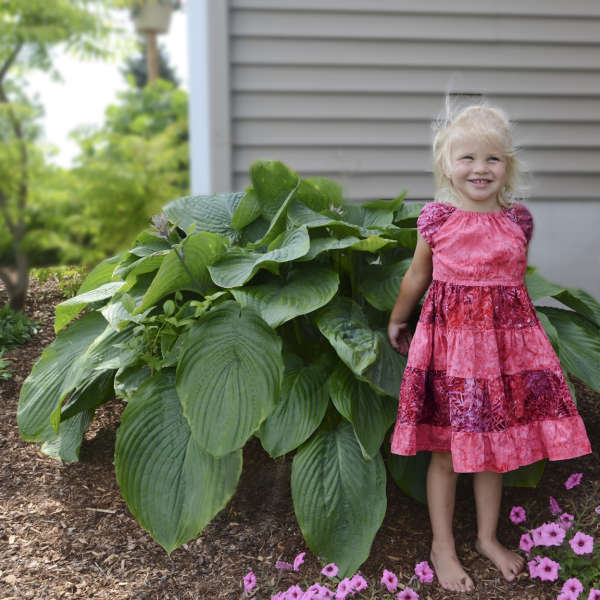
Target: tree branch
[{"x": 9, "y": 61}]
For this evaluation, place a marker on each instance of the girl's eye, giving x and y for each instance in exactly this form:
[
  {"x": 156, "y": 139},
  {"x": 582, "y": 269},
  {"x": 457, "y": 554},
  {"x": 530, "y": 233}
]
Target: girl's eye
[
  {"x": 493, "y": 158},
  {"x": 467, "y": 157}
]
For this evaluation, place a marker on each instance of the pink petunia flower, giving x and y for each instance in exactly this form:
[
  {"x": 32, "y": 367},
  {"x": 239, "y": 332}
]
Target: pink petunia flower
[
  {"x": 389, "y": 580},
  {"x": 299, "y": 560},
  {"x": 554, "y": 507},
  {"x": 407, "y": 594},
  {"x": 548, "y": 569},
  {"x": 526, "y": 543},
  {"x": 597, "y": 509},
  {"x": 517, "y": 514},
  {"x": 594, "y": 594},
  {"x": 277, "y": 596},
  {"x": 573, "y": 480},
  {"x": 533, "y": 568},
  {"x": 424, "y": 572},
  {"x": 330, "y": 570},
  {"x": 552, "y": 534},
  {"x": 249, "y": 581},
  {"x": 281, "y": 565},
  {"x": 573, "y": 587},
  {"x": 566, "y": 520},
  {"x": 358, "y": 583},
  {"x": 582, "y": 543},
  {"x": 536, "y": 534},
  {"x": 294, "y": 592},
  {"x": 343, "y": 589},
  {"x": 566, "y": 596}
]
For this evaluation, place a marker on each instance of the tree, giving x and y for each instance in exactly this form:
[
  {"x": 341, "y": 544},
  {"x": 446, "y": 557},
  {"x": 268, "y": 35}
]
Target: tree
[
  {"x": 137, "y": 66},
  {"x": 133, "y": 165},
  {"x": 28, "y": 33}
]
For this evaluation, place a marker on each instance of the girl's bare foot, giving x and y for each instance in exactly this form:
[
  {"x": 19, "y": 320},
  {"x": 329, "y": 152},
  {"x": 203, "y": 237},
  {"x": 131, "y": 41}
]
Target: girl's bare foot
[
  {"x": 509, "y": 563},
  {"x": 449, "y": 571}
]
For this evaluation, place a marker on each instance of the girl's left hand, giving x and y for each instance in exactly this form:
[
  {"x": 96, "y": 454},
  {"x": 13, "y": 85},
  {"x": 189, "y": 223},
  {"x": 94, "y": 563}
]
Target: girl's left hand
[{"x": 400, "y": 336}]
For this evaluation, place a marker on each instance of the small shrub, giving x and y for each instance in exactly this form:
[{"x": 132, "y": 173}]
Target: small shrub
[
  {"x": 69, "y": 278},
  {"x": 5, "y": 372},
  {"x": 15, "y": 327}
]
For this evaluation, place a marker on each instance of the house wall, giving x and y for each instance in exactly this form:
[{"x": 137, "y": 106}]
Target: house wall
[{"x": 347, "y": 89}]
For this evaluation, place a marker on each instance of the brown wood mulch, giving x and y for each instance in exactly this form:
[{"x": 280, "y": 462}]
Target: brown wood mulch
[{"x": 65, "y": 531}]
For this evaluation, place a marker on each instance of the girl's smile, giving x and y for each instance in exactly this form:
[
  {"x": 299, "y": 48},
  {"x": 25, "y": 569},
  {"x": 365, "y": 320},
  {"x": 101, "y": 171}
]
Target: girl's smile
[{"x": 477, "y": 171}]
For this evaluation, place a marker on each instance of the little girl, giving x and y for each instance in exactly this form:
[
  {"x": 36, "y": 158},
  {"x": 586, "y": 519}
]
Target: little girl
[{"x": 483, "y": 389}]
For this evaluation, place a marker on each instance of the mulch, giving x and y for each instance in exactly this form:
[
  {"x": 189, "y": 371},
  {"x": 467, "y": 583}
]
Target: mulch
[{"x": 65, "y": 531}]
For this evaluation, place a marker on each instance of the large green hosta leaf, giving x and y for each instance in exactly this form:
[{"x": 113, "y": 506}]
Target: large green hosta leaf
[
  {"x": 172, "y": 487},
  {"x": 302, "y": 405},
  {"x": 247, "y": 211},
  {"x": 307, "y": 288},
  {"x": 579, "y": 300},
  {"x": 65, "y": 444},
  {"x": 410, "y": 474},
  {"x": 339, "y": 497},
  {"x": 319, "y": 245},
  {"x": 100, "y": 274},
  {"x": 205, "y": 213},
  {"x": 381, "y": 284},
  {"x": 320, "y": 193},
  {"x": 54, "y": 375},
  {"x": 527, "y": 476},
  {"x": 346, "y": 328},
  {"x": 272, "y": 182},
  {"x": 66, "y": 311},
  {"x": 385, "y": 372},
  {"x": 238, "y": 265},
  {"x": 579, "y": 344},
  {"x": 370, "y": 413},
  {"x": 186, "y": 269},
  {"x": 228, "y": 376}
]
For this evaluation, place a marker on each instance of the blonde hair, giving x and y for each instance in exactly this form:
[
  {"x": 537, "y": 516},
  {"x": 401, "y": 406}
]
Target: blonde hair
[{"x": 484, "y": 122}]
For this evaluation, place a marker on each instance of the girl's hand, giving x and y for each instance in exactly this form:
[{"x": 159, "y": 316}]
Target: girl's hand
[{"x": 400, "y": 336}]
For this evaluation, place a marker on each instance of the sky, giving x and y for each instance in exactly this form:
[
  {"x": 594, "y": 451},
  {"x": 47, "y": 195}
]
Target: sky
[{"x": 88, "y": 87}]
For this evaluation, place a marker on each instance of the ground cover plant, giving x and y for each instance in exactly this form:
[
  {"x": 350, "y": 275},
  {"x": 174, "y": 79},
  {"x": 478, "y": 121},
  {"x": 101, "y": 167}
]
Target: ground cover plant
[{"x": 257, "y": 314}]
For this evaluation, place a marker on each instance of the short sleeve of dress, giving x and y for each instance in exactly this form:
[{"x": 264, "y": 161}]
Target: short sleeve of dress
[
  {"x": 433, "y": 216},
  {"x": 520, "y": 214}
]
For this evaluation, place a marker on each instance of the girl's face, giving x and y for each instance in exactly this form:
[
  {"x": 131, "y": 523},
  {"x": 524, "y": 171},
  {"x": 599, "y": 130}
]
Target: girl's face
[{"x": 477, "y": 171}]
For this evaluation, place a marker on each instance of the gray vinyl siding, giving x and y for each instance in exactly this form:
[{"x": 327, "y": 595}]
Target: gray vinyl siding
[{"x": 347, "y": 89}]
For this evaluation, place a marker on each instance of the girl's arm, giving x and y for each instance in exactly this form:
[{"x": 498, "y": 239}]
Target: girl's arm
[{"x": 414, "y": 284}]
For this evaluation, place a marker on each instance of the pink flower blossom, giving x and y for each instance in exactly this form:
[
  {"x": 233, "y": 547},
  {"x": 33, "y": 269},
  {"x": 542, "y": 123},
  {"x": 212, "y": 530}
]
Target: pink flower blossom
[
  {"x": 597, "y": 509},
  {"x": 582, "y": 543},
  {"x": 330, "y": 570},
  {"x": 389, "y": 580},
  {"x": 566, "y": 520},
  {"x": 554, "y": 507},
  {"x": 281, "y": 565},
  {"x": 424, "y": 572},
  {"x": 526, "y": 543},
  {"x": 299, "y": 560},
  {"x": 407, "y": 594},
  {"x": 548, "y": 569},
  {"x": 294, "y": 592},
  {"x": 594, "y": 594},
  {"x": 552, "y": 534},
  {"x": 565, "y": 596},
  {"x": 277, "y": 596},
  {"x": 533, "y": 568},
  {"x": 573, "y": 480},
  {"x": 249, "y": 581},
  {"x": 358, "y": 583},
  {"x": 573, "y": 587},
  {"x": 517, "y": 514},
  {"x": 537, "y": 536},
  {"x": 343, "y": 589}
]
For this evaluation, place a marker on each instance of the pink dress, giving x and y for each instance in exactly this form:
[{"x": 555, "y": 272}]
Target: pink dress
[{"x": 482, "y": 380}]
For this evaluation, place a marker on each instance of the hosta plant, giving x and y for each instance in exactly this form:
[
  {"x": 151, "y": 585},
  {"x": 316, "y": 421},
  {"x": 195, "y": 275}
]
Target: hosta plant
[{"x": 256, "y": 314}]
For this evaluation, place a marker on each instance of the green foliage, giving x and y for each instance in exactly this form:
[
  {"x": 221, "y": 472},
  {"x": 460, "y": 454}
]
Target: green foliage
[
  {"x": 15, "y": 327},
  {"x": 5, "y": 372},
  {"x": 130, "y": 167},
  {"x": 255, "y": 314},
  {"x": 69, "y": 278}
]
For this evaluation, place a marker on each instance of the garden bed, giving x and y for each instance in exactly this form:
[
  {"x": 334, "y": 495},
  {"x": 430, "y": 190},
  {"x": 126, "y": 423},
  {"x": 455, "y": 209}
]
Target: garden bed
[{"x": 65, "y": 531}]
